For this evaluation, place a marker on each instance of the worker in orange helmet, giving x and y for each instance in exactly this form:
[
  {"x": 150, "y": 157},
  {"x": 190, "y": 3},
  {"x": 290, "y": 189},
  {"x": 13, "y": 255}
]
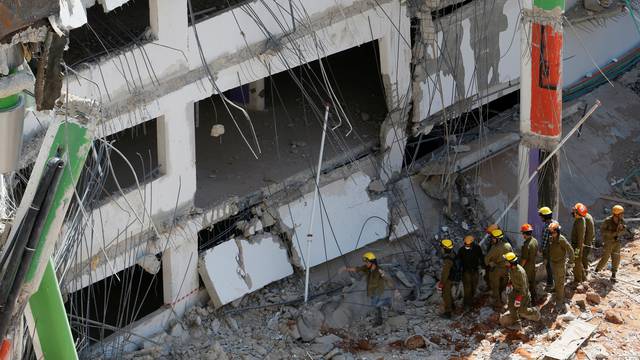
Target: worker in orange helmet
[
  {"x": 559, "y": 251},
  {"x": 611, "y": 230},
  {"x": 528, "y": 253},
  {"x": 578, "y": 234},
  {"x": 471, "y": 257}
]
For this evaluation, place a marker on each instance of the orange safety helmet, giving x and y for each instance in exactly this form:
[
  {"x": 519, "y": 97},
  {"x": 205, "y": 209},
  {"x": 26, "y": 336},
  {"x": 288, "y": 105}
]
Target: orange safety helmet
[
  {"x": 468, "y": 240},
  {"x": 526, "y": 228},
  {"x": 554, "y": 226},
  {"x": 617, "y": 209},
  {"x": 580, "y": 209}
]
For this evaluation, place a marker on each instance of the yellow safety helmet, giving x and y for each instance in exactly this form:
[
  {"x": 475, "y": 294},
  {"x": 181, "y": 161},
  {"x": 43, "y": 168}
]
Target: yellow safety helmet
[
  {"x": 468, "y": 239},
  {"x": 510, "y": 257},
  {"x": 447, "y": 244},
  {"x": 545, "y": 210},
  {"x": 617, "y": 210},
  {"x": 497, "y": 233},
  {"x": 492, "y": 227},
  {"x": 368, "y": 256}
]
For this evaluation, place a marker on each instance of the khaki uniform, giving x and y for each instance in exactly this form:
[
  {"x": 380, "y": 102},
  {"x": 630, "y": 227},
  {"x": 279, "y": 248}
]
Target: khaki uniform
[
  {"x": 559, "y": 251},
  {"x": 518, "y": 279},
  {"x": 578, "y": 232},
  {"x": 589, "y": 236},
  {"x": 497, "y": 270},
  {"x": 528, "y": 252},
  {"x": 447, "y": 297},
  {"x": 375, "y": 280},
  {"x": 611, "y": 238}
]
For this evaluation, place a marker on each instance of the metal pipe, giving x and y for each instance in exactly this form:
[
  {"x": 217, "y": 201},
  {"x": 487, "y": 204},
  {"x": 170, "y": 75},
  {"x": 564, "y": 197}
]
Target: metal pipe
[
  {"x": 11, "y": 124},
  {"x": 313, "y": 206}
]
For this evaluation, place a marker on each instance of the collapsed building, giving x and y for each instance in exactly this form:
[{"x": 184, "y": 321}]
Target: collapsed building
[{"x": 201, "y": 178}]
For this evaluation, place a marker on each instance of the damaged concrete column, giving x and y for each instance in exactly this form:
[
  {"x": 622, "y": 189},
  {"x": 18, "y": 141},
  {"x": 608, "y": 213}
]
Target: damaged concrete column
[
  {"x": 395, "y": 65},
  {"x": 169, "y": 23},
  {"x": 180, "y": 275}
]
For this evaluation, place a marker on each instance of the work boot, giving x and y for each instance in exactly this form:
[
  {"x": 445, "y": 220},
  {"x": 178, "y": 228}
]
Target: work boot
[
  {"x": 377, "y": 321},
  {"x": 613, "y": 278}
]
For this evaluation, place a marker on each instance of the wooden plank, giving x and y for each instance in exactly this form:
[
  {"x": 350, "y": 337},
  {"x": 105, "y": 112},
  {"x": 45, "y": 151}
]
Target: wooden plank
[{"x": 571, "y": 339}]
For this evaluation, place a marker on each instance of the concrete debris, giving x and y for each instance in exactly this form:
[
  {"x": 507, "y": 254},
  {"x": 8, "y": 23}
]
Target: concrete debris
[
  {"x": 581, "y": 301},
  {"x": 415, "y": 342},
  {"x": 150, "y": 263},
  {"x": 217, "y": 130},
  {"x": 398, "y": 322},
  {"x": 309, "y": 324},
  {"x": 376, "y": 186},
  {"x": 613, "y": 317},
  {"x": 433, "y": 187},
  {"x": 593, "y": 298}
]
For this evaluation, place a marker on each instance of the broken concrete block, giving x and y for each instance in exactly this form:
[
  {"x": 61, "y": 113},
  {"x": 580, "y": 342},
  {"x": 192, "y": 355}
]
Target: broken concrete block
[
  {"x": 398, "y": 322},
  {"x": 253, "y": 227},
  {"x": 415, "y": 342},
  {"x": 150, "y": 263},
  {"x": 239, "y": 266},
  {"x": 401, "y": 227},
  {"x": 376, "y": 187},
  {"x": 347, "y": 203},
  {"x": 321, "y": 348},
  {"x": 432, "y": 186},
  {"x": 328, "y": 339},
  {"x": 309, "y": 324},
  {"x": 593, "y": 298},
  {"x": 217, "y": 130},
  {"x": 613, "y": 317}
]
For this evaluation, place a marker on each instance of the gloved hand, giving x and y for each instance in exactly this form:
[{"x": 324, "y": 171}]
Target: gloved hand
[
  {"x": 516, "y": 303},
  {"x": 509, "y": 289},
  {"x": 440, "y": 286}
]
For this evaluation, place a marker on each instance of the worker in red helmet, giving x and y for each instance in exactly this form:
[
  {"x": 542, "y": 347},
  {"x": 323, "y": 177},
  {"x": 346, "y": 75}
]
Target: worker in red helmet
[
  {"x": 528, "y": 254},
  {"x": 578, "y": 234}
]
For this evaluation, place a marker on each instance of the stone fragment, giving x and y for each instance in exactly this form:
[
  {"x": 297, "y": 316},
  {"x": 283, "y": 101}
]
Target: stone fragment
[
  {"x": 309, "y": 324},
  {"x": 613, "y": 317},
  {"x": 593, "y": 298},
  {"x": 415, "y": 342},
  {"x": 376, "y": 186}
]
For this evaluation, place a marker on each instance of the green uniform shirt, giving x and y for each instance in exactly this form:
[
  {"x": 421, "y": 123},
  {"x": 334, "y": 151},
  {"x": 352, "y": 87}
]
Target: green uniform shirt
[
  {"x": 610, "y": 230},
  {"x": 578, "y": 232},
  {"x": 495, "y": 253},
  {"x": 375, "y": 280},
  {"x": 519, "y": 281},
  {"x": 447, "y": 264},
  {"x": 590, "y": 230},
  {"x": 560, "y": 249},
  {"x": 528, "y": 252}
]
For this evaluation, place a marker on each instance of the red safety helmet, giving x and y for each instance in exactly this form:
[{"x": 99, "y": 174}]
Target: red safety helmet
[
  {"x": 580, "y": 209},
  {"x": 526, "y": 228}
]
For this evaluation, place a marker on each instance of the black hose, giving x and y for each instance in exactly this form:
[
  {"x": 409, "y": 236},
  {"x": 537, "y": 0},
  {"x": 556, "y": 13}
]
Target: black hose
[{"x": 27, "y": 241}]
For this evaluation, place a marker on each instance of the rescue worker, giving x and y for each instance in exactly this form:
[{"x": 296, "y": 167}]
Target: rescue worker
[
  {"x": 611, "y": 230},
  {"x": 488, "y": 231},
  {"x": 559, "y": 251},
  {"x": 547, "y": 217},
  {"x": 528, "y": 253},
  {"x": 589, "y": 236},
  {"x": 495, "y": 262},
  {"x": 470, "y": 256},
  {"x": 376, "y": 281},
  {"x": 519, "y": 304},
  {"x": 578, "y": 232},
  {"x": 445, "y": 284}
]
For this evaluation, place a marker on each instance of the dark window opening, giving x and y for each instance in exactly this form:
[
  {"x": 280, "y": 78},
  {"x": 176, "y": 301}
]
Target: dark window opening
[
  {"x": 205, "y": 9},
  {"x": 106, "y": 169},
  {"x": 289, "y": 129},
  {"x": 221, "y": 231},
  {"x": 448, "y": 9},
  {"x": 422, "y": 145},
  {"x": 96, "y": 311},
  {"x": 108, "y": 33}
]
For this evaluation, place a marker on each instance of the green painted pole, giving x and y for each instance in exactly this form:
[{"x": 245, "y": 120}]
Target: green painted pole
[{"x": 50, "y": 316}]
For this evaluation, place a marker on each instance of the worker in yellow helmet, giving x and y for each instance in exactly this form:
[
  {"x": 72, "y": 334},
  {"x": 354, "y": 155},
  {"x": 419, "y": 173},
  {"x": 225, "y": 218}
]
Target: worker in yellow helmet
[
  {"x": 445, "y": 283},
  {"x": 376, "y": 281},
  {"x": 470, "y": 257},
  {"x": 546, "y": 215},
  {"x": 518, "y": 292},
  {"x": 496, "y": 266},
  {"x": 611, "y": 230}
]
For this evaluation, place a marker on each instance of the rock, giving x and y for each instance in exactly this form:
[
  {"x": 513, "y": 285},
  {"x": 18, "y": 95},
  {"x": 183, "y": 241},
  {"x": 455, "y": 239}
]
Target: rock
[
  {"x": 328, "y": 339},
  {"x": 321, "y": 349},
  {"x": 150, "y": 263},
  {"x": 376, "y": 186},
  {"x": 309, "y": 324},
  {"x": 333, "y": 354},
  {"x": 233, "y": 324},
  {"x": 581, "y": 301},
  {"x": 214, "y": 352},
  {"x": 415, "y": 342},
  {"x": 217, "y": 130},
  {"x": 215, "y": 325},
  {"x": 178, "y": 332},
  {"x": 613, "y": 317},
  {"x": 398, "y": 322},
  {"x": 593, "y": 298}
]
